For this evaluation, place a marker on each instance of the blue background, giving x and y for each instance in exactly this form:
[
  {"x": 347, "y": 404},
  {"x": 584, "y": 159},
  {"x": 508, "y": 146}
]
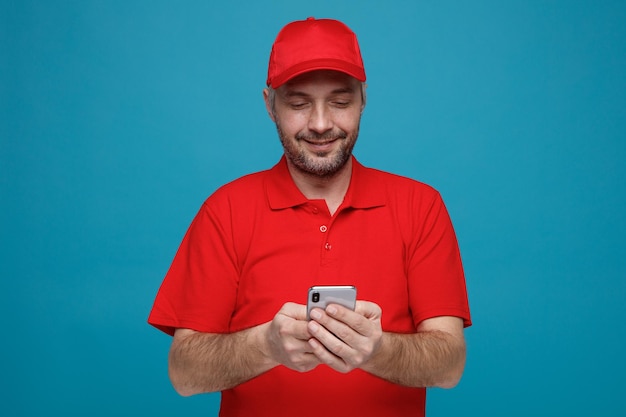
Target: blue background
[{"x": 118, "y": 118}]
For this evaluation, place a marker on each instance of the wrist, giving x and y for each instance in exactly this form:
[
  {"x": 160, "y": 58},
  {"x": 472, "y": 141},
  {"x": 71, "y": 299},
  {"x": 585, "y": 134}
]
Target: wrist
[
  {"x": 259, "y": 339},
  {"x": 379, "y": 357}
]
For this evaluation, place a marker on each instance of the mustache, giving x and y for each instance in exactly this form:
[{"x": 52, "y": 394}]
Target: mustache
[{"x": 326, "y": 136}]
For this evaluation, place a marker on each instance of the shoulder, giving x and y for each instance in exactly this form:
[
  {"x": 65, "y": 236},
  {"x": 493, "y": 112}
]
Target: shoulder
[
  {"x": 236, "y": 198},
  {"x": 247, "y": 183},
  {"x": 241, "y": 188},
  {"x": 397, "y": 187},
  {"x": 398, "y": 180}
]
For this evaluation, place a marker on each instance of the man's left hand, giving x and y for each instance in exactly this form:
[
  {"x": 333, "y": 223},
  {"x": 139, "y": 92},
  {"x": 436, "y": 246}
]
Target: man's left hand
[{"x": 344, "y": 339}]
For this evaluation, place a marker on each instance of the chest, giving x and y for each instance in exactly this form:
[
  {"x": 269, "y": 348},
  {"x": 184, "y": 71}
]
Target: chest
[{"x": 288, "y": 251}]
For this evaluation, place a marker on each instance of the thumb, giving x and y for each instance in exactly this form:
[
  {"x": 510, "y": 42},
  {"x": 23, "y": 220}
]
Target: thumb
[
  {"x": 294, "y": 311},
  {"x": 368, "y": 309}
]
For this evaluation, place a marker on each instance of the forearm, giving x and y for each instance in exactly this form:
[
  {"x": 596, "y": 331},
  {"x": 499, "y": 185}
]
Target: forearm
[
  {"x": 424, "y": 359},
  {"x": 207, "y": 362}
]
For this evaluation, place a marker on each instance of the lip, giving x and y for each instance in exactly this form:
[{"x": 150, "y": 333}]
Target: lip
[{"x": 320, "y": 146}]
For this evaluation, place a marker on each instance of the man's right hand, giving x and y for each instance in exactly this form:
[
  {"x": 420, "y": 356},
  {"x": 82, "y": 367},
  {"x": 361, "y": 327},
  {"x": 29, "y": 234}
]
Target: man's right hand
[
  {"x": 208, "y": 362},
  {"x": 287, "y": 339}
]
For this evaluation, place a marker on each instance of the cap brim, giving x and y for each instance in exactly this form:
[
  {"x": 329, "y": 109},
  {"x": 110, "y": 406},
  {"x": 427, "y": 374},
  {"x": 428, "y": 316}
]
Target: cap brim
[{"x": 316, "y": 65}]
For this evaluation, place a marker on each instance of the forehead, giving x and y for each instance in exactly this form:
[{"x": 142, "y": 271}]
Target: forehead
[{"x": 322, "y": 81}]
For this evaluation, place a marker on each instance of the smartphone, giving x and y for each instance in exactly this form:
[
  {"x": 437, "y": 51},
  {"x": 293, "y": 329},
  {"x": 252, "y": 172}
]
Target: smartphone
[{"x": 320, "y": 296}]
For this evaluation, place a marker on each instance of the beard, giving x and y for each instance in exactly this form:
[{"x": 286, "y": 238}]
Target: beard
[{"x": 320, "y": 164}]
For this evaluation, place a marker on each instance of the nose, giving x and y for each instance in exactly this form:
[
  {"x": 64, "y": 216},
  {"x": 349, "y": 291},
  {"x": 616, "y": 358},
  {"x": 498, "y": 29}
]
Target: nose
[{"x": 320, "y": 120}]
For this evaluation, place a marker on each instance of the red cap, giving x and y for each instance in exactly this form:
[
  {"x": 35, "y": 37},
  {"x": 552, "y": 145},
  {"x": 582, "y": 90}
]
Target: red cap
[{"x": 314, "y": 44}]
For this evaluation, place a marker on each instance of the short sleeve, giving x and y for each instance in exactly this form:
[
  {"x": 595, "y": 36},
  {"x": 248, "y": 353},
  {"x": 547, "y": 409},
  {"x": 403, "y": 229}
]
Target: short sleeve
[
  {"x": 435, "y": 271},
  {"x": 199, "y": 291}
]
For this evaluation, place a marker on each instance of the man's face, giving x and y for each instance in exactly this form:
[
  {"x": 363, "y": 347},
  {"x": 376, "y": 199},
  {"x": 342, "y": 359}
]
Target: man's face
[{"x": 317, "y": 116}]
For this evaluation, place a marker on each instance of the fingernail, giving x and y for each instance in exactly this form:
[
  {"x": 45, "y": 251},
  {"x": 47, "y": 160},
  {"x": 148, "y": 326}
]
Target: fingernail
[
  {"x": 331, "y": 310},
  {"x": 316, "y": 315}
]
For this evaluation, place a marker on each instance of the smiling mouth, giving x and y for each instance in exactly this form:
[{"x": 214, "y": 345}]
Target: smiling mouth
[
  {"x": 321, "y": 148},
  {"x": 322, "y": 143}
]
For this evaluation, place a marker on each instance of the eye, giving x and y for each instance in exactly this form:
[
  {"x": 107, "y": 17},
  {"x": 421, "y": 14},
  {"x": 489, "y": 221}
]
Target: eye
[
  {"x": 297, "y": 105},
  {"x": 342, "y": 101}
]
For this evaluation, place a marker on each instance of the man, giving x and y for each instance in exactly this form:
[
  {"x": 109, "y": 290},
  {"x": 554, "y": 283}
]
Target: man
[{"x": 233, "y": 298}]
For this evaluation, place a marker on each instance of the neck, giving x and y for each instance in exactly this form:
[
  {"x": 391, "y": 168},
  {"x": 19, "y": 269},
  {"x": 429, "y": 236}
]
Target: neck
[{"x": 331, "y": 189}]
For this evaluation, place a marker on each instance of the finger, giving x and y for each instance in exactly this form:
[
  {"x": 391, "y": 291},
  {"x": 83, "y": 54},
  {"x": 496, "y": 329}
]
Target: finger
[
  {"x": 300, "y": 330},
  {"x": 337, "y": 326},
  {"x": 354, "y": 320},
  {"x": 298, "y": 347},
  {"x": 368, "y": 309},
  {"x": 335, "y": 336},
  {"x": 288, "y": 327},
  {"x": 294, "y": 311},
  {"x": 303, "y": 362},
  {"x": 327, "y": 358}
]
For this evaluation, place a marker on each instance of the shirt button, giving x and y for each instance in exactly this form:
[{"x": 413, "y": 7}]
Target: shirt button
[
  {"x": 323, "y": 228},
  {"x": 328, "y": 246},
  {"x": 315, "y": 210}
]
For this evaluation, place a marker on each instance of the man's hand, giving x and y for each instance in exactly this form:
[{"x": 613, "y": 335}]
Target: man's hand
[
  {"x": 345, "y": 339},
  {"x": 208, "y": 362},
  {"x": 434, "y": 356},
  {"x": 287, "y": 338}
]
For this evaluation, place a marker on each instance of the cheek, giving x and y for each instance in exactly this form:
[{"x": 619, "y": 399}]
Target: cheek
[
  {"x": 349, "y": 122},
  {"x": 291, "y": 124}
]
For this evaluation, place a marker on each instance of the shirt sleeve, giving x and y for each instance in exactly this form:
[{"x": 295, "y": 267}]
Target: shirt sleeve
[
  {"x": 435, "y": 271},
  {"x": 200, "y": 288}
]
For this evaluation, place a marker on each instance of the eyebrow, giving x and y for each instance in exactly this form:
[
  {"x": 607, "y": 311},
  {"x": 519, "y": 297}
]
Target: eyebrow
[{"x": 341, "y": 90}]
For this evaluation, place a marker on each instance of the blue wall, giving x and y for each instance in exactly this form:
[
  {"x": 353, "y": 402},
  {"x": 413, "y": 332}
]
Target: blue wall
[{"x": 119, "y": 118}]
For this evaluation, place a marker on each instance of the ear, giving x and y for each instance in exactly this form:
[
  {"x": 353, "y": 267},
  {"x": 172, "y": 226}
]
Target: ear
[
  {"x": 268, "y": 105},
  {"x": 363, "y": 96}
]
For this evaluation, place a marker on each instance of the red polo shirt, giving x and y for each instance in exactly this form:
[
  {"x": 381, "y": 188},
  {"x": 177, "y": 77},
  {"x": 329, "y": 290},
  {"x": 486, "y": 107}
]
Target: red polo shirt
[{"x": 258, "y": 243}]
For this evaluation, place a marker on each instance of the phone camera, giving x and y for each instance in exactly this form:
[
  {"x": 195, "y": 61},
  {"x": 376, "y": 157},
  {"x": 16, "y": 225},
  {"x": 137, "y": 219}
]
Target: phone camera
[{"x": 315, "y": 297}]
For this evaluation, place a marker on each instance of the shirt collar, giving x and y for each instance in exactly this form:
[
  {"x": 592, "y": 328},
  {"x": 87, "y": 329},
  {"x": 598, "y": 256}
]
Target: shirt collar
[{"x": 365, "y": 190}]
